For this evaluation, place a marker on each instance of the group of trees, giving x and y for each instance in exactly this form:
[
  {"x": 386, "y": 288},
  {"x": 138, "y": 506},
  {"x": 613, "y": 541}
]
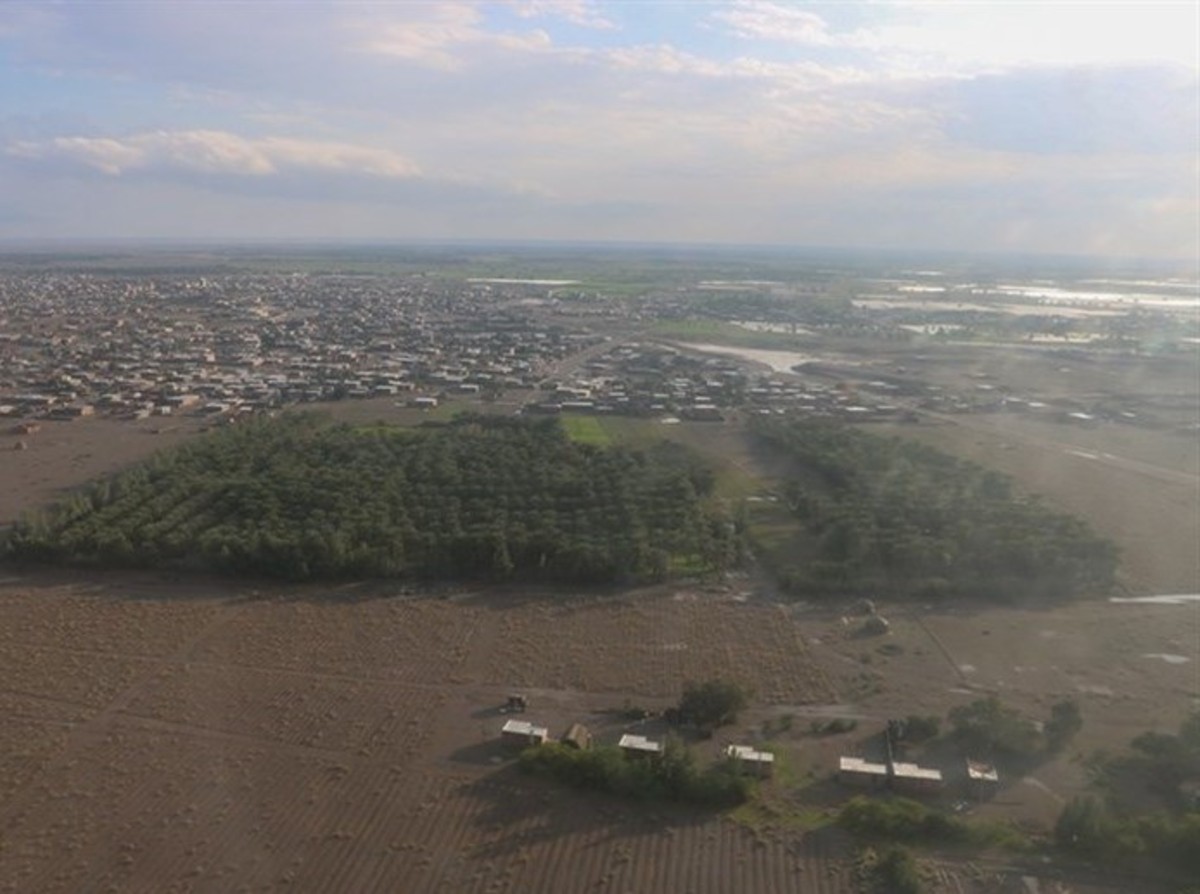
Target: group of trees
[
  {"x": 1111, "y": 828},
  {"x": 297, "y": 497},
  {"x": 987, "y": 726},
  {"x": 673, "y": 775},
  {"x": 896, "y": 516}
]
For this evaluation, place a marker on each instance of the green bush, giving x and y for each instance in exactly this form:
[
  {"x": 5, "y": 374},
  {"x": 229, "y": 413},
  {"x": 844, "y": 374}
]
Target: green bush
[
  {"x": 673, "y": 776},
  {"x": 896, "y": 872},
  {"x": 712, "y": 703},
  {"x": 901, "y": 819}
]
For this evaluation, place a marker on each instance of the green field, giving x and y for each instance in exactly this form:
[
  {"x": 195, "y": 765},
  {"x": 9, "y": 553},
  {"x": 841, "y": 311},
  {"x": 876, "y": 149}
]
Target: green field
[{"x": 586, "y": 430}]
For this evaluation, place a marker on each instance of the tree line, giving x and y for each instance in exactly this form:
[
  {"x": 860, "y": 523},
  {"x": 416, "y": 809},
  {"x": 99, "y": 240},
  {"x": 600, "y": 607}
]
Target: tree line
[
  {"x": 481, "y": 497},
  {"x": 892, "y": 515}
]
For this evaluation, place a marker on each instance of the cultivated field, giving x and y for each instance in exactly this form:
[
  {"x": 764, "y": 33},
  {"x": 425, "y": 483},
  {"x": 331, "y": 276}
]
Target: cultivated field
[
  {"x": 66, "y": 455},
  {"x": 340, "y": 740},
  {"x": 209, "y": 737}
]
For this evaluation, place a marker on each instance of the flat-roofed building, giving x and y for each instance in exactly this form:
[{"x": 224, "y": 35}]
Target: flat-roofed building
[
  {"x": 639, "y": 746},
  {"x": 913, "y": 779},
  {"x": 862, "y": 773},
  {"x": 759, "y": 763},
  {"x": 523, "y": 733},
  {"x": 982, "y": 779}
]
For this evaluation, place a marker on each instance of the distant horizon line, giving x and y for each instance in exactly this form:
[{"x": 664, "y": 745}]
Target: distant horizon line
[{"x": 61, "y": 243}]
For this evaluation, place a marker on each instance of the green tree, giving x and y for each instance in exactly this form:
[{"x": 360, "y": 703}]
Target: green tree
[
  {"x": 988, "y": 726},
  {"x": 1065, "y": 721},
  {"x": 712, "y": 703}
]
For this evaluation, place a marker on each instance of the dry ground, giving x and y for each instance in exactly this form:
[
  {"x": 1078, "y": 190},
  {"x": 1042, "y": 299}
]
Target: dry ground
[
  {"x": 324, "y": 739},
  {"x": 64, "y": 455},
  {"x": 205, "y": 736}
]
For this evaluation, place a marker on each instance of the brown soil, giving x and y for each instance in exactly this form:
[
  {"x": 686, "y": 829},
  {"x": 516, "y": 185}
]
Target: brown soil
[{"x": 209, "y": 737}]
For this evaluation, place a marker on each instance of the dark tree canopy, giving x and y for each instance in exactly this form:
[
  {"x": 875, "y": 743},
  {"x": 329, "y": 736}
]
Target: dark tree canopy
[
  {"x": 712, "y": 703},
  {"x": 894, "y": 516},
  {"x": 489, "y": 497}
]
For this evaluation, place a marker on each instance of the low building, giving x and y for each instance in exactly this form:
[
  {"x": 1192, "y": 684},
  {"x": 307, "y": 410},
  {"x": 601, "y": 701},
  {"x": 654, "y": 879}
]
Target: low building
[
  {"x": 862, "y": 773},
  {"x": 914, "y": 780},
  {"x": 522, "y": 733},
  {"x": 577, "y": 736},
  {"x": 982, "y": 779},
  {"x": 757, "y": 763},
  {"x": 639, "y": 746}
]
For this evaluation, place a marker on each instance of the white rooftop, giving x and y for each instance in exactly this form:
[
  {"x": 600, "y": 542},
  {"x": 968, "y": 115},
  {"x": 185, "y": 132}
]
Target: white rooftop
[
  {"x": 982, "y": 771},
  {"x": 525, "y": 728},
  {"x": 858, "y": 765},
  {"x": 748, "y": 753},
  {"x": 639, "y": 743},
  {"x": 912, "y": 771}
]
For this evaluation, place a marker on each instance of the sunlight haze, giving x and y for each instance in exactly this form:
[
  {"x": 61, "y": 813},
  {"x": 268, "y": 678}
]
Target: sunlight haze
[{"x": 1056, "y": 128}]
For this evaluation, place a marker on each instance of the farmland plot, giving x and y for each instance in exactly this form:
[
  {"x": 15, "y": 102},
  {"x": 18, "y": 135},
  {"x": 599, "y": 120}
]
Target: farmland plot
[
  {"x": 100, "y": 619},
  {"x": 150, "y": 810},
  {"x": 348, "y": 715},
  {"x": 504, "y": 835},
  {"x": 415, "y": 641},
  {"x": 653, "y": 646}
]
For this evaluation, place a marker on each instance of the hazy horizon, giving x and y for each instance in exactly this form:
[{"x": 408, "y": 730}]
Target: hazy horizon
[{"x": 1055, "y": 129}]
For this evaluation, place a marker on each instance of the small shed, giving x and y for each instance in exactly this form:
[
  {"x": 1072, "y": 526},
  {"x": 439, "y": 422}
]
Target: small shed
[
  {"x": 639, "y": 746},
  {"x": 758, "y": 763},
  {"x": 577, "y": 736},
  {"x": 862, "y": 773},
  {"x": 522, "y": 733},
  {"x": 982, "y": 779}
]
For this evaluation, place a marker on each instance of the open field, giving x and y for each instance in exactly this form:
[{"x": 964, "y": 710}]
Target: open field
[
  {"x": 586, "y": 430},
  {"x": 336, "y": 739},
  {"x": 66, "y": 455},
  {"x": 211, "y": 737}
]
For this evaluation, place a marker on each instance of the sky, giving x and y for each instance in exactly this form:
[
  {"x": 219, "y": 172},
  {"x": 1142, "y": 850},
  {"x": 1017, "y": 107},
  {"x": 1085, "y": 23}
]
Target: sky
[{"x": 1070, "y": 128}]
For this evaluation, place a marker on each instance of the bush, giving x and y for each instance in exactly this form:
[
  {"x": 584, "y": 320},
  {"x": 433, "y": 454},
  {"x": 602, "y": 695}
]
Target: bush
[
  {"x": 901, "y": 819},
  {"x": 1065, "y": 721},
  {"x": 712, "y": 703},
  {"x": 921, "y": 728},
  {"x": 672, "y": 777},
  {"x": 896, "y": 872},
  {"x": 988, "y": 726}
]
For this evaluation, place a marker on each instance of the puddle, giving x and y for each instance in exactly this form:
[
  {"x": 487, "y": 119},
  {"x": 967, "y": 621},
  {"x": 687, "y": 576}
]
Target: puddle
[
  {"x": 1167, "y": 657},
  {"x": 1179, "y": 599}
]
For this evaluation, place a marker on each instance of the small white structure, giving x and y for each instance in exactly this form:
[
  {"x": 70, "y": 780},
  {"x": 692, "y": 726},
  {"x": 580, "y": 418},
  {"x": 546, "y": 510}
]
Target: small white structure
[
  {"x": 639, "y": 746},
  {"x": 915, "y": 779},
  {"x": 982, "y": 779},
  {"x": 861, "y": 773},
  {"x": 523, "y": 733},
  {"x": 760, "y": 763}
]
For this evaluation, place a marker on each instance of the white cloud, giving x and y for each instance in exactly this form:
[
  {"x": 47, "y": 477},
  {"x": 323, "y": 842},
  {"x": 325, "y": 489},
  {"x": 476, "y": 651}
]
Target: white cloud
[
  {"x": 764, "y": 20},
  {"x": 577, "y": 12},
  {"x": 441, "y": 36},
  {"x": 216, "y": 152}
]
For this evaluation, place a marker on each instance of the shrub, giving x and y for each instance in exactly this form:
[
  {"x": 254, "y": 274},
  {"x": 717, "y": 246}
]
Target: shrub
[{"x": 712, "y": 703}]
